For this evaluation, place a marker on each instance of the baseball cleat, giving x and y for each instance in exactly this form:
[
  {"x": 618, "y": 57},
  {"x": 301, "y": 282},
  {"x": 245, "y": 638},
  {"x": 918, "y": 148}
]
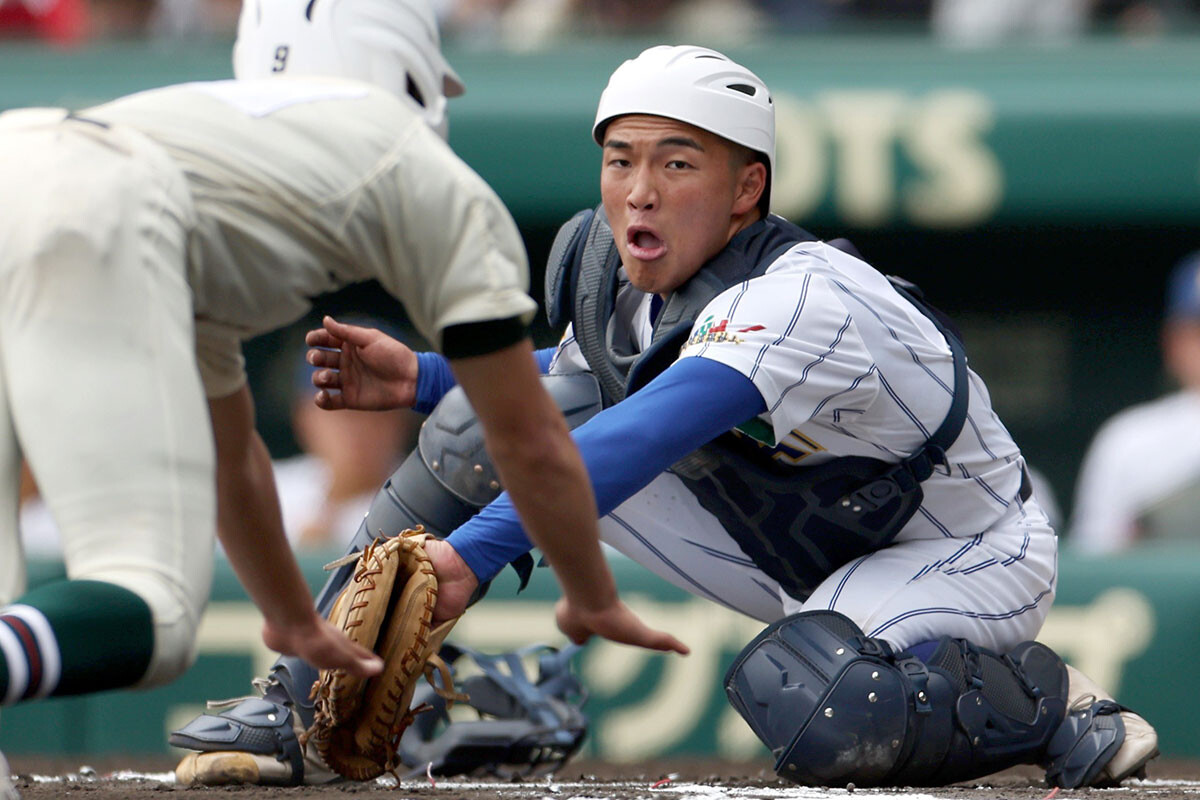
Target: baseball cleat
[
  {"x": 1114, "y": 742},
  {"x": 1141, "y": 740},
  {"x": 1139, "y": 747},
  {"x": 272, "y": 756},
  {"x": 255, "y": 740}
]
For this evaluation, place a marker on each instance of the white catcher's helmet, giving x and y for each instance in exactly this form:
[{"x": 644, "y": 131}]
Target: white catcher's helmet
[
  {"x": 393, "y": 44},
  {"x": 698, "y": 86}
]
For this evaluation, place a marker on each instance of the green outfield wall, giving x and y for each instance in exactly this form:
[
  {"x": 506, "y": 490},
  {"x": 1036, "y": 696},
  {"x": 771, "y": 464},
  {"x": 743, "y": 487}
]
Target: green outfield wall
[{"x": 1132, "y": 623}]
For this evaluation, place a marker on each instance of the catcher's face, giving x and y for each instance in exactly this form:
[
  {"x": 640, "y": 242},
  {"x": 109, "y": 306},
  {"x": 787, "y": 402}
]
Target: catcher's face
[{"x": 675, "y": 195}]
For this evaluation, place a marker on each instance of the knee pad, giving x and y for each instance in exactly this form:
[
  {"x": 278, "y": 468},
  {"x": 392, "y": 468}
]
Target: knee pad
[
  {"x": 835, "y": 706},
  {"x": 824, "y": 698}
]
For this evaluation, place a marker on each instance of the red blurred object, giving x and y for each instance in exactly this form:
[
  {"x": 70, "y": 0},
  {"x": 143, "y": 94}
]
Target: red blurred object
[{"x": 63, "y": 22}]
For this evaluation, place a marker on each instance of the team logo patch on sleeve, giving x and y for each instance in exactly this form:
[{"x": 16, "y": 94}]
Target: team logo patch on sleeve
[{"x": 711, "y": 332}]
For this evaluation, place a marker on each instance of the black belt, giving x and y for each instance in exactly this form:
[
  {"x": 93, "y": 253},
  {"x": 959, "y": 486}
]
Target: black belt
[{"x": 1026, "y": 485}]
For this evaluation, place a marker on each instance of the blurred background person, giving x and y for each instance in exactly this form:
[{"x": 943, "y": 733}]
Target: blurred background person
[
  {"x": 522, "y": 25},
  {"x": 972, "y": 23},
  {"x": 61, "y": 22},
  {"x": 191, "y": 19},
  {"x": 72, "y": 23},
  {"x": 983, "y": 23},
  {"x": 1140, "y": 478},
  {"x": 805, "y": 16},
  {"x": 525, "y": 25}
]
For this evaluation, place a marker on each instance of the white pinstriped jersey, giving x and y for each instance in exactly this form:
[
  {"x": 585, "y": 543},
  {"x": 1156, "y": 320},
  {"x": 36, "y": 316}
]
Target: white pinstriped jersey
[
  {"x": 846, "y": 366},
  {"x": 303, "y": 186}
]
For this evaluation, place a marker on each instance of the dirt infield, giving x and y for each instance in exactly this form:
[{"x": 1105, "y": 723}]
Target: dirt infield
[{"x": 110, "y": 779}]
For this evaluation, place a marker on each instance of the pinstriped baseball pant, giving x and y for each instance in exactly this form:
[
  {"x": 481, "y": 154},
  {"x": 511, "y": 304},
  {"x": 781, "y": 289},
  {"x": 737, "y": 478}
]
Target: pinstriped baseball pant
[{"x": 994, "y": 588}]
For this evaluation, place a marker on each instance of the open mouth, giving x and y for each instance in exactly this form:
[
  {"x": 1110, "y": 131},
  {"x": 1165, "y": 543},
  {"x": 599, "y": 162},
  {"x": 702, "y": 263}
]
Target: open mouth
[{"x": 644, "y": 244}]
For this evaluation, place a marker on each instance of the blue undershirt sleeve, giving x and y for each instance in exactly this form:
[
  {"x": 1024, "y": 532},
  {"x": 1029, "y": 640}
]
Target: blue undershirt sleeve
[
  {"x": 434, "y": 377},
  {"x": 544, "y": 356},
  {"x": 624, "y": 448}
]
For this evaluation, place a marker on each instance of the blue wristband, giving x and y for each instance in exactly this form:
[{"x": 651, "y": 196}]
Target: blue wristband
[{"x": 434, "y": 379}]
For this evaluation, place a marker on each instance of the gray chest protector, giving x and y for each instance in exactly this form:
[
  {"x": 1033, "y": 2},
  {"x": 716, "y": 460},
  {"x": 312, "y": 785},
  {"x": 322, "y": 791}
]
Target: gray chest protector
[{"x": 798, "y": 525}]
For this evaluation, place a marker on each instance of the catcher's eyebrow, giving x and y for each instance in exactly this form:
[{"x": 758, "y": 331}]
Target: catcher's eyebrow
[{"x": 669, "y": 141}]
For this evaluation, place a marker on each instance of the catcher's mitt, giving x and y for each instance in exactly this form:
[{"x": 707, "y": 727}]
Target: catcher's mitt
[{"x": 387, "y": 607}]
